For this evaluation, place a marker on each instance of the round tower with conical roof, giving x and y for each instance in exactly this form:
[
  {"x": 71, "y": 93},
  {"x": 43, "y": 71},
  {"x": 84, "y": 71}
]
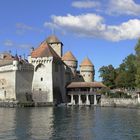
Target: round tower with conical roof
[
  {"x": 71, "y": 61},
  {"x": 87, "y": 70},
  {"x": 57, "y": 45}
]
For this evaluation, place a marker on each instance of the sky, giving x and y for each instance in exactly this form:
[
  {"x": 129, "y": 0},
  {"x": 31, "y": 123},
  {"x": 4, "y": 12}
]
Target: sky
[{"x": 105, "y": 31}]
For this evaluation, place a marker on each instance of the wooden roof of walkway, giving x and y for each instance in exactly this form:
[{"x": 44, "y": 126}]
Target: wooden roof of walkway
[{"x": 86, "y": 85}]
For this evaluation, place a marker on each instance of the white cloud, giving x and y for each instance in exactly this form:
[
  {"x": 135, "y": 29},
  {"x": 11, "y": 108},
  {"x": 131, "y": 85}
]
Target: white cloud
[
  {"x": 50, "y": 25},
  {"x": 126, "y": 30},
  {"x": 8, "y": 43},
  {"x": 24, "y": 46},
  {"x": 128, "y": 7},
  {"x": 22, "y": 28},
  {"x": 92, "y": 25},
  {"x": 85, "y": 4}
]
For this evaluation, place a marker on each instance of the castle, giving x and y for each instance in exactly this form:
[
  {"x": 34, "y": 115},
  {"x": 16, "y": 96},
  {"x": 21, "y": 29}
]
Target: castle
[{"x": 48, "y": 77}]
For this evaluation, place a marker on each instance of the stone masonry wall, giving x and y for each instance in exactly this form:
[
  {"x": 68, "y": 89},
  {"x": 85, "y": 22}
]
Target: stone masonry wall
[
  {"x": 122, "y": 102},
  {"x": 7, "y": 85},
  {"x": 42, "y": 87},
  {"x": 59, "y": 83},
  {"x": 24, "y": 80}
]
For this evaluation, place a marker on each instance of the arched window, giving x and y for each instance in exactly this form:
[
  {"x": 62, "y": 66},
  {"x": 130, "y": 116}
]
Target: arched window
[
  {"x": 5, "y": 94},
  {"x": 41, "y": 79}
]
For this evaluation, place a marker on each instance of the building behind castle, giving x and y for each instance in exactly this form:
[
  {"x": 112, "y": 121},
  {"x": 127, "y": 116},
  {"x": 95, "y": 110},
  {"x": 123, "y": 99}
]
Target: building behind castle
[{"x": 47, "y": 77}]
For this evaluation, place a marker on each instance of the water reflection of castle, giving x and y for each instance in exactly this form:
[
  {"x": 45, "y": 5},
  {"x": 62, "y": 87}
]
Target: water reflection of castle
[{"x": 48, "y": 77}]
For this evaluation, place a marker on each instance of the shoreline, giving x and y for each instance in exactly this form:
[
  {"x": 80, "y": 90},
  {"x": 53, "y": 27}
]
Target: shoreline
[{"x": 15, "y": 104}]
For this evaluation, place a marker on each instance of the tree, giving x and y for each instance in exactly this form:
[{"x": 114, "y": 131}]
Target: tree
[
  {"x": 108, "y": 75},
  {"x": 137, "y": 63},
  {"x": 120, "y": 80},
  {"x": 126, "y": 73}
]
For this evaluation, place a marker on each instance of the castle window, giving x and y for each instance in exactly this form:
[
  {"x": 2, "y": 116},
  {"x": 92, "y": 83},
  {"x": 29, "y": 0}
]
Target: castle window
[
  {"x": 39, "y": 89},
  {"x": 41, "y": 79},
  {"x": 5, "y": 94},
  {"x": 89, "y": 75},
  {"x": 83, "y": 75}
]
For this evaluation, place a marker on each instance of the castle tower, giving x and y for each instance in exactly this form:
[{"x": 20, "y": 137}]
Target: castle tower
[
  {"x": 70, "y": 61},
  {"x": 57, "y": 46},
  {"x": 87, "y": 70},
  {"x": 48, "y": 72}
]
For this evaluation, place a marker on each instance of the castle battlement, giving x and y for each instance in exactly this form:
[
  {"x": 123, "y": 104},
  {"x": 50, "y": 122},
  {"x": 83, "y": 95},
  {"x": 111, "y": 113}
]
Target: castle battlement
[{"x": 43, "y": 60}]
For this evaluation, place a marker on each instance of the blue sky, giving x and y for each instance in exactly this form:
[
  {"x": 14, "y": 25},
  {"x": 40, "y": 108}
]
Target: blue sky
[{"x": 106, "y": 31}]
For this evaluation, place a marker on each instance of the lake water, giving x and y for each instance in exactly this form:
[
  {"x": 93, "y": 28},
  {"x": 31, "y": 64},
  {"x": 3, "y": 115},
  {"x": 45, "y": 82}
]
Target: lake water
[{"x": 71, "y": 123}]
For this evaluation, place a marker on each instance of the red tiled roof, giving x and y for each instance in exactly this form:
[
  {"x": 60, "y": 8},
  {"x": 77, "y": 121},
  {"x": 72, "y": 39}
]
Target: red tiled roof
[
  {"x": 85, "y": 84},
  {"x": 68, "y": 56},
  {"x": 8, "y": 56},
  {"x": 44, "y": 50},
  {"x": 86, "y": 62}
]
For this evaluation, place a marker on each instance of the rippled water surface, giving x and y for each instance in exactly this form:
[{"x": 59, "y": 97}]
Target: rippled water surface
[{"x": 72, "y": 123}]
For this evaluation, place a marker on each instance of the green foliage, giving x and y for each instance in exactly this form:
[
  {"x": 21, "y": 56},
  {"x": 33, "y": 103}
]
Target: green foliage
[
  {"x": 126, "y": 73},
  {"x": 137, "y": 63},
  {"x": 104, "y": 91},
  {"x": 108, "y": 75}
]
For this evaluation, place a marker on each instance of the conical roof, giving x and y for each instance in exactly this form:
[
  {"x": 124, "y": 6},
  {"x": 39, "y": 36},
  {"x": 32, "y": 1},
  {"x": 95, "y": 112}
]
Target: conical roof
[
  {"x": 52, "y": 39},
  {"x": 44, "y": 50},
  {"x": 86, "y": 62},
  {"x": 68, "y": 56}
]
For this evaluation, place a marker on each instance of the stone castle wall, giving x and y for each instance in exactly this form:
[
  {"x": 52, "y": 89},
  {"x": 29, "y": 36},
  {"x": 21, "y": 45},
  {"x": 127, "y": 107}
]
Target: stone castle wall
[
  {"x": 72, "y": 65},
  {"x": 42, "y": 80},
  {"x": 7, "y": 85},
  {"x": 87, "y": 73},
  {"x": 24, "y": 85},
  {"x": 57, "y": 48},
  {"x": 59, "y": 82},
  {"x": 119, "y": 102}
]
